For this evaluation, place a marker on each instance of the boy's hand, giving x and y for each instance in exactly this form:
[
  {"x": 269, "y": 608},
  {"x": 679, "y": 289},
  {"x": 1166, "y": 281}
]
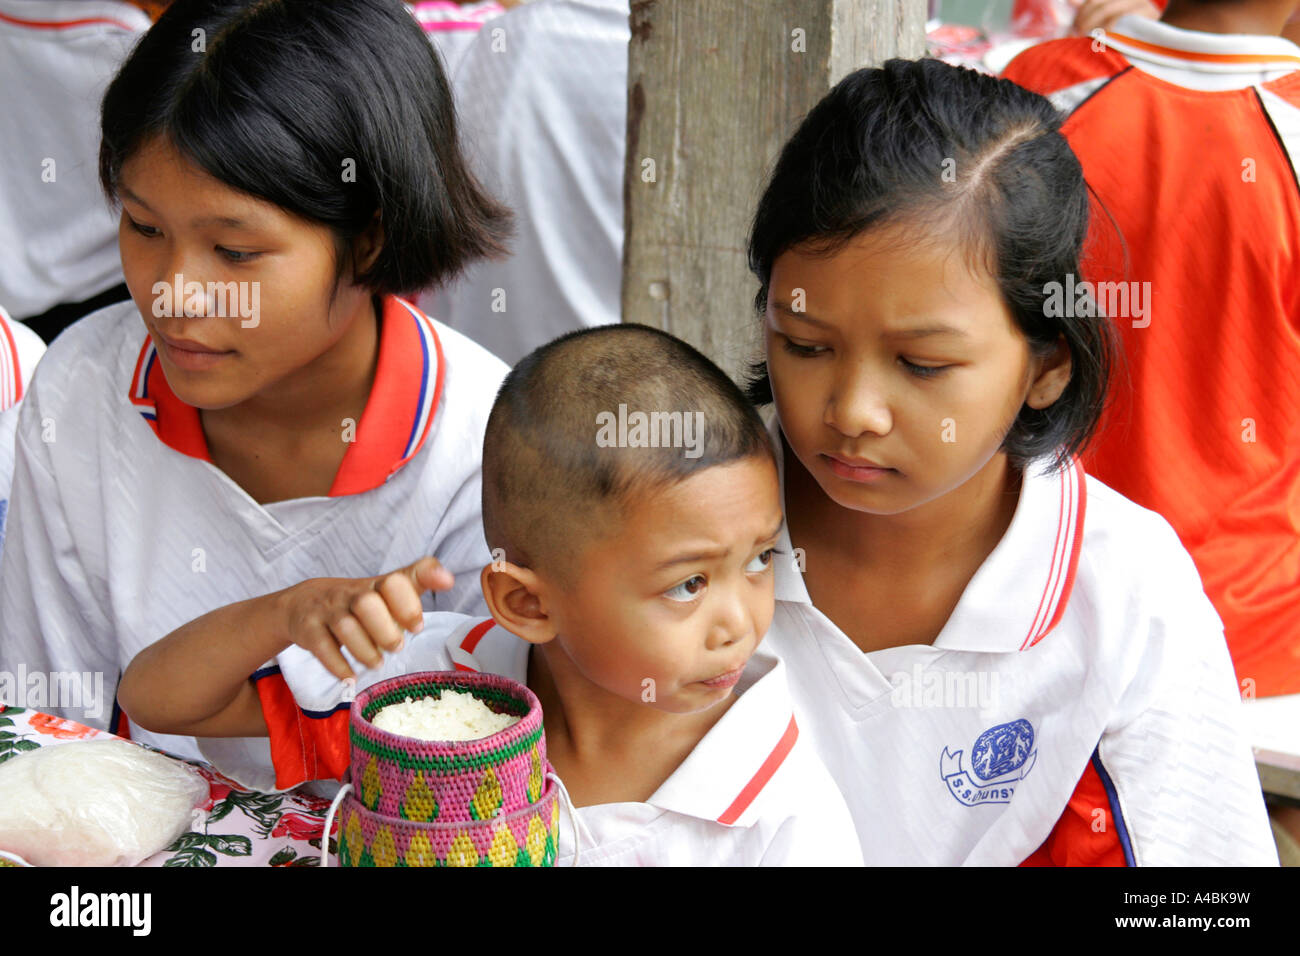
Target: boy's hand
[{"x": 365, "y": 615}]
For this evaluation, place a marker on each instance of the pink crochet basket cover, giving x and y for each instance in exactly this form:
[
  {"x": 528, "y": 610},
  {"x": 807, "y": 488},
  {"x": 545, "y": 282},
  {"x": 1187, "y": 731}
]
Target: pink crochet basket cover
[{"x": 437, "y": 803}]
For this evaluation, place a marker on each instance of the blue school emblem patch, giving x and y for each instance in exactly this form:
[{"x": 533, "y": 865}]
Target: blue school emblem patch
[{"x": 1001, "y": 757}]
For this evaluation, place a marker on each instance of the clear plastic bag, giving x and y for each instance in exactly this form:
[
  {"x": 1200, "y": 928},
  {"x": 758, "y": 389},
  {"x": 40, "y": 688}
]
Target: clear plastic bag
[{"x": 95, "y": 803}]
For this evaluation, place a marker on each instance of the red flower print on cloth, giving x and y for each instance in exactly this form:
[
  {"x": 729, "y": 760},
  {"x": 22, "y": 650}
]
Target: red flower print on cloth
[
  {"x": 312, "y": 802},
  {"x": 216, "y": 793},
  {"x": 298, "y": 827},
  {"x": 60, "y": 728}
]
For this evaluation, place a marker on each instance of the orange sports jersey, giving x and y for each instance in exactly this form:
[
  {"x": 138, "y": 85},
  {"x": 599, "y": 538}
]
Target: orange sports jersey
[{"x": 1190, "y": 140}]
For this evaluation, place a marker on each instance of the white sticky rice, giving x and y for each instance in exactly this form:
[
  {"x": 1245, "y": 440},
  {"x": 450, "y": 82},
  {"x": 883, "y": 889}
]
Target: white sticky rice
[{"x": 453, "y": 716}]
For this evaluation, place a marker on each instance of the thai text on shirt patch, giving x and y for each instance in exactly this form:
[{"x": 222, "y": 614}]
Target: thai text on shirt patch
[{"x": 1001, "y": 757}]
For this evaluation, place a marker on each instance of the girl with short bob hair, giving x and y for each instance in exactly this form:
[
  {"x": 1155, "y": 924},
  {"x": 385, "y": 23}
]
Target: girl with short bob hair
[
  {"x": 282, "y": 427},
  {"x": 961, "y": 596}
]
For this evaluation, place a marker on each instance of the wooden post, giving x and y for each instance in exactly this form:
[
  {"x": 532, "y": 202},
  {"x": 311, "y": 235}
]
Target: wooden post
[{"x": 715, "y": 87}]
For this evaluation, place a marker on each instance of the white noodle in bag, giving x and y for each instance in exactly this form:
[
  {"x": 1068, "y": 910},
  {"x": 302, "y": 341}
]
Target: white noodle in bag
[{"x": 95, "y": 803}]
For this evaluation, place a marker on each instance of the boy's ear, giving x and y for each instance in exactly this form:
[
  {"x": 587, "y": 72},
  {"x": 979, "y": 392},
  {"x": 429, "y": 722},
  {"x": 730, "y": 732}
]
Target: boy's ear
[
  {"x": 514, "y": 596},
  {"x": 1053, "y": 374}
]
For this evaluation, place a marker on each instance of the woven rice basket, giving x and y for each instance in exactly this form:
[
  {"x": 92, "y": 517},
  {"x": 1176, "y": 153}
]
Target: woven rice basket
[{"x": 449, "y": 803}]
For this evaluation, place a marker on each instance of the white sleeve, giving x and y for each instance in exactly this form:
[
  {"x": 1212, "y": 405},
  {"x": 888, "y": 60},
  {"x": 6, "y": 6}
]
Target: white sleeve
[
  {"x": 1177, "y": 760},
  {"x": 52, "y": 620},
  {"x": 316, "y": 689}
]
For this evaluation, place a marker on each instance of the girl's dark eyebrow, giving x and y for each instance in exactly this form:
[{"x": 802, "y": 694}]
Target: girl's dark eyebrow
[
  {"x": 922, "y": 331},
  {"x": 228, "y": 221},
  {"x": 222, "y": 221},
  {"x": 135, "y": 199},
  {"x": 912, "y": 333}
]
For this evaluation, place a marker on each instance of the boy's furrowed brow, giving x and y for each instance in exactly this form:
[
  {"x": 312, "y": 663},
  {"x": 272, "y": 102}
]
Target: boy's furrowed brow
[
  {"x": 692, "y": 557},
  {"x": 707, "y": 554},
  {"x": 774, "y": 533}
]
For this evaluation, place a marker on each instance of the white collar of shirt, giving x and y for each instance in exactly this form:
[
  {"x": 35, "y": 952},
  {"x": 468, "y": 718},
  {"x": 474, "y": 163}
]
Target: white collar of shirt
[
  {"x": 1152, "y": 43},
  {"x": 1020, "y": 591},
  {"x": 725, "y": 778}
]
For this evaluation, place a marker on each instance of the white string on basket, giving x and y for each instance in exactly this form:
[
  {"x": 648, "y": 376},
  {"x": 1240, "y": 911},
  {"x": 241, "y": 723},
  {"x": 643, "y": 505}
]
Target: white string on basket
[
  {"x": 329, "y": 821},
  {"x": 578, "y": 828}
]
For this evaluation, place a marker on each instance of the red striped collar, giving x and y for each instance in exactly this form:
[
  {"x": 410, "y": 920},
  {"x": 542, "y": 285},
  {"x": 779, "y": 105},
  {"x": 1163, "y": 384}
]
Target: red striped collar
[
  {"x": 397, "y": 419},
  {"x": 1020, "y": 592},
  {"x": 754, "y": 786},
  {"x": 729, "y": 777},
  {"x": 11, "y": 372}
]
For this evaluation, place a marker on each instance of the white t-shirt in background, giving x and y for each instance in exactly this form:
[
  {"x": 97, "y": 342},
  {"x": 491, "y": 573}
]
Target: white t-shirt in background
[
  {"x": 541, "y": 95},
  {"x": 58, "y": 235}
]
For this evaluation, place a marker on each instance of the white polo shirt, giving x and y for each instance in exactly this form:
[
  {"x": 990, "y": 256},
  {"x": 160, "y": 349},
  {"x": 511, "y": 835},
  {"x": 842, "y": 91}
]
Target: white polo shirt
[
  {"x": 751, "y": 793},
  {"x": 121, "y": 530},
  {"x": 1083, "y": 665},
  {"x": 56, "y": 60},
  {"x": 541, "y": 95}
]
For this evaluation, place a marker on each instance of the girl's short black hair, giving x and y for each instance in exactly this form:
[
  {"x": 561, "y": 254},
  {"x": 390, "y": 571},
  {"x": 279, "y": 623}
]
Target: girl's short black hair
[
  {"x": 959, "y": 151},
  {"x": 335, "y": 111}
]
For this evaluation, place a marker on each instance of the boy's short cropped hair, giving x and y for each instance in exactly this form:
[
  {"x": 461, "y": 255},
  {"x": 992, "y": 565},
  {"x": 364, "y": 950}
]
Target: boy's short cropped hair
[
  {"x": 595, "y": 419},
  {"x": 337, "y": 112}
]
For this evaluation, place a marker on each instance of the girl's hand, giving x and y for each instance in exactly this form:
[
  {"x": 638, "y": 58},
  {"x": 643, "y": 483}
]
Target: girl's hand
[
  {"x": 366, "y": 615},
  {"x": 1100, "y": 14}
]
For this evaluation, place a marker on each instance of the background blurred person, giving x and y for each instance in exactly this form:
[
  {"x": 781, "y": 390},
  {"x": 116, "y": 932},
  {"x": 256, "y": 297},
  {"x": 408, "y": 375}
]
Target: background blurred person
[
  {"x": 20, "y": 350},
  {"x": 452, "y": 26},
  {"x": 60, "y": 240},
  {"x": 542, "y": 95}
]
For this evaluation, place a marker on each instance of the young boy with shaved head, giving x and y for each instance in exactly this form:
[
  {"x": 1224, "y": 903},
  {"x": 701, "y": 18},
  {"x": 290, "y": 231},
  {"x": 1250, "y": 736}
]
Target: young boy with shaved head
[{"x": 630, "y": 500}]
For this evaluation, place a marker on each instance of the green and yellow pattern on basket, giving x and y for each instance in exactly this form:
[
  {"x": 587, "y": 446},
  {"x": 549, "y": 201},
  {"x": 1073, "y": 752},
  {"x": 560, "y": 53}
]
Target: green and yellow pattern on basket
[{"x": 449, "y": 803}]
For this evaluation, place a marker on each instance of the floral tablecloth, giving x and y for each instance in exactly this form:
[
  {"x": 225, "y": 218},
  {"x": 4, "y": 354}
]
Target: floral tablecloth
[{"x": 242, "y": 827}]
